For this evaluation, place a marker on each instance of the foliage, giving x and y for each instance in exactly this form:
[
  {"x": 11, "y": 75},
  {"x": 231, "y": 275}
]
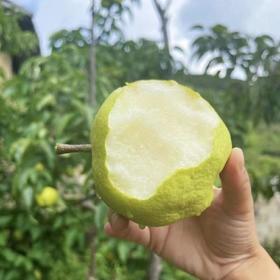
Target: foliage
[
  {"x": 115, "y": 61},
  {"x": 13, "y": 39},
  {"x": 267, "y": 97},
  {"x": 233, "y": 51},
  {"x": 47, "y": 106},
  {"x": 274, "y": 251},
  {"x": 262, "y": 153},
  {"x": 109, "y": 18},
  {"x": 255, "y": 100},
  {"x": 46, "y": 103}
]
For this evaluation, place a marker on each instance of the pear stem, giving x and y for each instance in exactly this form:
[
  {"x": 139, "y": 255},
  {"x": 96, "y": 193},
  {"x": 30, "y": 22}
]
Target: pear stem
[{"x": 66, "y": 148}]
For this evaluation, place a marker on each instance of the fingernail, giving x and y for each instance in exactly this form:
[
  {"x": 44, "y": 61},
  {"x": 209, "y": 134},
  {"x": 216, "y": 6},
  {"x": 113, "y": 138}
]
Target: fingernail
[
  {"x": 241, "y": 161},
  {"x": 117, "y": 221},
  {"x": 114, "y": 219},
  {"x": 108, "y": 228}
]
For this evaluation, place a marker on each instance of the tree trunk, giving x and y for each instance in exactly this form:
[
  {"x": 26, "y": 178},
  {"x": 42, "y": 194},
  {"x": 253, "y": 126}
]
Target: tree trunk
[
  {"x": 92, "y": 265},
  {"x": 92, "y": 101},
  {"x": 92, "y": 60},
  {"x": 162, "y": 12},
  {"x": 165, "y": 34},
  {"x": 155, "y": 267}
]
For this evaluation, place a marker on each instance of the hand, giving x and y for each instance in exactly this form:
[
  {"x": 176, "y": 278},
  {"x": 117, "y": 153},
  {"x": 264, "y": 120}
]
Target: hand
[{"x": 215, "y": 245}]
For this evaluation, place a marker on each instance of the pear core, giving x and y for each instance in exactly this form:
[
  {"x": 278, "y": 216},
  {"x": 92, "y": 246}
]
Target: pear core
[{"x": 155, "y": 130}]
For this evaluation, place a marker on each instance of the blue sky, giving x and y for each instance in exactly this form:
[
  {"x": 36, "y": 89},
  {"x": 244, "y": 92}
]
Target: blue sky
[{"x": 251, "y": 16}]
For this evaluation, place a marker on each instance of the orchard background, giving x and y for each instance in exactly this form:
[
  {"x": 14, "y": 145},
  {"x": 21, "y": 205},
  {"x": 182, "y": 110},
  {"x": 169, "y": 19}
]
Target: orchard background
[{"x": 53, "y": 99}]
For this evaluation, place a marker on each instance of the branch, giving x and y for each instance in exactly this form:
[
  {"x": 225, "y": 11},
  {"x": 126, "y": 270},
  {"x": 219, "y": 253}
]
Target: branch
[
  {"x": 78, "y": 198},
  {"x": 65, "y": 148},
  {"x": 271, "y": 153},
  {"x": 91, "y": 275},
  {"x": 155, "y": 267},
  {"x": 162, "y": 12},
  {"x": 92, "y": 58},
  {"x": 167, "y": 6},
  {"x": 81, "y": 201},
  {"x": 88, "y": 205},
  {"x": 159, "y": 8}
]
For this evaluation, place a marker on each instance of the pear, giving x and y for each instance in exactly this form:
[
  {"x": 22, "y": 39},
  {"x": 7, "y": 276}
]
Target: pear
[{"x": 157, "y": 148}]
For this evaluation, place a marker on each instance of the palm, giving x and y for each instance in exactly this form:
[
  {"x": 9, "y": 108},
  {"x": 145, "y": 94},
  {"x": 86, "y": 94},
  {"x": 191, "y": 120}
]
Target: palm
[
  {"x": 213, "y": 244},
  {"x": 213, "y": 240}
]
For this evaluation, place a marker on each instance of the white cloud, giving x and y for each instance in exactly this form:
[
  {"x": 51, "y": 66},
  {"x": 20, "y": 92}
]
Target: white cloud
[
  {"x": 253, "y": 16},
  {"x": 53, "y": 15},
  {"x": 29, "y": 5},
  {"x": 144, "y": 23},
  {"x": 265, "y": 19}
]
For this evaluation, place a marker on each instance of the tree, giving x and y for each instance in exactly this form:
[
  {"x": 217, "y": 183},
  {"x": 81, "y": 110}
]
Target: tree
[
  {"x": 257, "y": 57},
  {"x": 93, "y": 102},
  {"x": 225, "y": 48},
  {"x": 92, "y": 59},
  {"x": 155, "y": 267},
  {"x": 45, "y": 104},
  {"x": 233, "y": 51},
  {"x": 13, "y": 39},
  {"x": 49, "y": 109}
]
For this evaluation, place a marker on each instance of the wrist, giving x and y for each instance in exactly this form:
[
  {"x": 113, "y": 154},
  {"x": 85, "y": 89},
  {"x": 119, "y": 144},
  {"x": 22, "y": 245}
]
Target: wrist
[{"x": 259, "y": 266}]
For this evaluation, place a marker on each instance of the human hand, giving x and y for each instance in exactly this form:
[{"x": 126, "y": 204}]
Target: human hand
[{"x": 221, "y": 243}]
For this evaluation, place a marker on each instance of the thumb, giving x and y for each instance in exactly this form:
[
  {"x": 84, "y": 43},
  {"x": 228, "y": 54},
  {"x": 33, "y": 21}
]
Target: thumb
[
  {"x": 122, "y": 228},
  {"x": 236, "y": 187}
]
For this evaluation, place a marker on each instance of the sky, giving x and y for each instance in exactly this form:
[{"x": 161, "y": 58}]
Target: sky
[{"x": 250, "y": 16}]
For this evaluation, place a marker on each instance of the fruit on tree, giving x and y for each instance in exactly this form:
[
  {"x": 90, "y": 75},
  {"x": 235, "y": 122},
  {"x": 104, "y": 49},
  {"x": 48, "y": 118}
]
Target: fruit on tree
[{"x": 48, "y": 197}]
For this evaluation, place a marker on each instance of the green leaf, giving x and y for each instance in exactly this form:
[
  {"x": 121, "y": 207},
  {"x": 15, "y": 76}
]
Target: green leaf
[
  {"x": 214, "y": 62},
  {"x": 123, "y": 251},
  {"x": 5, "y": 220},
  {"x": 70, "y": 238},
  {"x": 19, "y": 147},
  {"x": 197, "y": 27},
  {"x": 8, "y": 254},
  {"x": 3, "y": 239},
  {"x": 100, "y": 215},
  {"x": 27, "y": 196},
  {"x": 48, "y": 150},
  {"x": 48, "y": 100},
  {"x": 63, "y": 122}
]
